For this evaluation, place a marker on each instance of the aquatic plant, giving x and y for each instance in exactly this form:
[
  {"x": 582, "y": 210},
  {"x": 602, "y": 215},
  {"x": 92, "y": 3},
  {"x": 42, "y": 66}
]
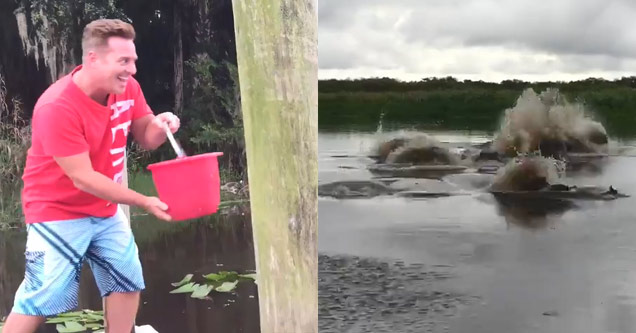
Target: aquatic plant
[
  {"x": 78, "y": 321},
  {"x": 222, "y": 281}
]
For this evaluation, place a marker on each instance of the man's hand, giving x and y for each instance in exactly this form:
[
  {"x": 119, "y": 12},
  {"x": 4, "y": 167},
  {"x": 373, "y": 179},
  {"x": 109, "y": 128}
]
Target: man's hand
[
  {"x": 166, "y": 119},
  {"x": 150, "y": 131},
  {"x": 157, "y": 208}
]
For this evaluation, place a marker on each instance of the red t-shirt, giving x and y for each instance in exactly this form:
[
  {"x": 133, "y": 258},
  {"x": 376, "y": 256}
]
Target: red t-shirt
[{"x": 67, "y": 122}]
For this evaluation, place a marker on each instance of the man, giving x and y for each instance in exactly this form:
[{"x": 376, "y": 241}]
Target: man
[{"x": 72, "y": 183}]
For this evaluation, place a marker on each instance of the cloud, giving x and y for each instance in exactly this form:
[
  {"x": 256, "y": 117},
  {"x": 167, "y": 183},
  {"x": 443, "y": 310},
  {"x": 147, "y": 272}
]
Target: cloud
[{"x": 472, "y": 38}]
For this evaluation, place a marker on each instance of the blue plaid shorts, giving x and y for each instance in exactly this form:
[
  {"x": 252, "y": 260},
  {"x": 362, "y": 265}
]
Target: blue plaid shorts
[{"x": 55, "y": 252}]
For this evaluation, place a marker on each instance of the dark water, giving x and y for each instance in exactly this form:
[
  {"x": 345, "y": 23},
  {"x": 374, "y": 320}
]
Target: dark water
[
  {"x": 168, "y": 252},
  {"x": 467, "y": 264}
]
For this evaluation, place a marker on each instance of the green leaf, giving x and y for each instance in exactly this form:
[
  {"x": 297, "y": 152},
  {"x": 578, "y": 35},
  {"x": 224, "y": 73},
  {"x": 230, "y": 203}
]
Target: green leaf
[
  {"x": 71, "y": 314},
  {"x": 93, "y": 317},
  {"x": 248, "y": 276},
  {"x": 202, "y": 291},
  {"x": 186, "y": 288},
  {"x": 70, "y": 327},
  {"x": 185, "y": 280},
  {"x": 220, "y": 276},
  {"x": 227, "y": 286},
  {"x": 56, "y": 320},
  {"x": 91, "y": 312},
  {"x": 94, "y": 326},
  {"x": 213, "y": 277}
]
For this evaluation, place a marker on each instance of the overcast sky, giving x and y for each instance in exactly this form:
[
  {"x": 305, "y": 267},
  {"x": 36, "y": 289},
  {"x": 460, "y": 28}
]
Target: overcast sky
[{"x": 490, "y": 40}]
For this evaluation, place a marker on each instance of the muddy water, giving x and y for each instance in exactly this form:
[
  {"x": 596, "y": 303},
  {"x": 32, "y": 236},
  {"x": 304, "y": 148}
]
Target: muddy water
[
  {"x": 168, "y": 252},
  {"x": 468, "y": 264}
]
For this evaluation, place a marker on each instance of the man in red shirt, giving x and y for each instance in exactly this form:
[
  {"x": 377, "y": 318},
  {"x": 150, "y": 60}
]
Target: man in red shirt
[{"x": 72, "y": 183}]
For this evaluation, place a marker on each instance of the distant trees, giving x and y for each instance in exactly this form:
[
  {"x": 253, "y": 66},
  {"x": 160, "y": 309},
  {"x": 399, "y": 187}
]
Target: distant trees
[{"x": 452, "y": 104}]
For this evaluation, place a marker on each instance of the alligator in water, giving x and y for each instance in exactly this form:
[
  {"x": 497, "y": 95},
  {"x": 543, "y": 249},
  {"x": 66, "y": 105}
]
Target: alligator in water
[{"x": 561, "y": 191}]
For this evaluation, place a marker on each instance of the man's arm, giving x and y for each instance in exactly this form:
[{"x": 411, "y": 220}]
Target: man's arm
[
  {"x": 79, "y": 169},
  {"x": 149, "y": 130}
]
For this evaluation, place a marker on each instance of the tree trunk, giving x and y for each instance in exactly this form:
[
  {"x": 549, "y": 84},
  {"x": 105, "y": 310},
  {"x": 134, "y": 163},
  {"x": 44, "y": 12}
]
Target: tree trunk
[
  {"x": 277, "y": 61},
  {"x": 178, "y": 60}
]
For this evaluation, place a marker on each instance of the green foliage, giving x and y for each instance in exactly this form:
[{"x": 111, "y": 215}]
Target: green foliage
[
  {"x": 221, "y": 276},
  {"x": 78, "y": 321},
  {"x": 183, "y": 281},
  {"x": 138, "y": 158},
  {"x": 213, "y": 120},
  {"x": 215, "y": 90},
  {"x": 456, "y": 109},
  {"x": 15, "y": 136},
  {"x": 223, "y": 282},
  {"x": 468, "y": 105}
]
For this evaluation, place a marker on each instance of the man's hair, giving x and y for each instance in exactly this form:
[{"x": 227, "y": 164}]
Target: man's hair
[{"x": 96, "y": 33}]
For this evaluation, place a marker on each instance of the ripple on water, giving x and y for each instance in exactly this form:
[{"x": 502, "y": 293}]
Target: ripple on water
[{"x": 370, "y": 295}]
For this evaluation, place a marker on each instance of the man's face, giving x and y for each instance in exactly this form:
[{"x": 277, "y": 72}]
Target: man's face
[{"x": 114, "y": 64}]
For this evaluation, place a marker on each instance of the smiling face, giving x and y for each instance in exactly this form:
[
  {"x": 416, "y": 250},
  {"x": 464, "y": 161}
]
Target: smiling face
[
  {"x": 112, "y": 65},
  {"x": 108, "y": 57}
]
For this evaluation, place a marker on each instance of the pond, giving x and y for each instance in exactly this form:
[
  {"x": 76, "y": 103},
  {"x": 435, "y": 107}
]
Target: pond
[
  {"x": 169, "y": 251},
  {"x": 465, "y": 263}
]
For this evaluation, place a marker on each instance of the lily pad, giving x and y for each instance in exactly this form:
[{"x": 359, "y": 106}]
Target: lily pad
[
  {"x": 201, "y": 291},
  {"x": 71, "y": 314},
  {"x": 94, "y": 326},
  {"x": 248, "y": 276},
  {"x": 185, "y": 280},
  {"x": 186, "y": 288},
  {"x": 70, "y": 326},
  {"x": 93, "y": 317},
  {"x": 227, "y": 287},
  {"x": 221, "y": 276},
  {"x": 57, "y": 320}
]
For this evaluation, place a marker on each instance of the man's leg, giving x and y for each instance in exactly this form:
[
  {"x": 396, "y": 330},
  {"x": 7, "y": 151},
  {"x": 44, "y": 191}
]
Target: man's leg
[
  {"x": 19, "y": 323},
  {"x": 114, "y": 260},
  {"x": 121, "y": 310},
  {"x": 54, "y": 253}
]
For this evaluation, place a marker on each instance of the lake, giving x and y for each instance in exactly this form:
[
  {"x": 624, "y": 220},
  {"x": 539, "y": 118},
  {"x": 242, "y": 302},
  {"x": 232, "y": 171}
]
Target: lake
[{"x": 464, "y": 263}]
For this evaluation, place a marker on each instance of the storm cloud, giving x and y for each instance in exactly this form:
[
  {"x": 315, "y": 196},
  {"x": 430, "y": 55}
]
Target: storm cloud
[{"x": 477, "y": 39}]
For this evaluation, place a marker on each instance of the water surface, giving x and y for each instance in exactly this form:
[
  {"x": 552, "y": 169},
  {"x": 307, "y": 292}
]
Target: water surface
[{"x": 466, "y": 264}]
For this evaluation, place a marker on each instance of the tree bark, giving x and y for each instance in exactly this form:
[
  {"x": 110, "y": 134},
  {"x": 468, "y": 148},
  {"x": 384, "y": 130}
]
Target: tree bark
[
  {"x": 178, "y": 60},
  {"x": 277, "y": 62}
]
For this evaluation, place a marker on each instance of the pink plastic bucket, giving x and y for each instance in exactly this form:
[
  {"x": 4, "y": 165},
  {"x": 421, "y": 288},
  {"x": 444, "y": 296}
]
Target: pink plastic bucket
[{"x": 190, "y": 186}]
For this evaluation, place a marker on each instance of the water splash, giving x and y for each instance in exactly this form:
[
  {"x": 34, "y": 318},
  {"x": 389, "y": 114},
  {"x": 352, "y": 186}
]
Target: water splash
[
  {"x": 550, "y": 124},
  {"x": 528, "y": 173},
  {"x": 380, "y": 129},
  {"x": 415, "y": 148}
]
